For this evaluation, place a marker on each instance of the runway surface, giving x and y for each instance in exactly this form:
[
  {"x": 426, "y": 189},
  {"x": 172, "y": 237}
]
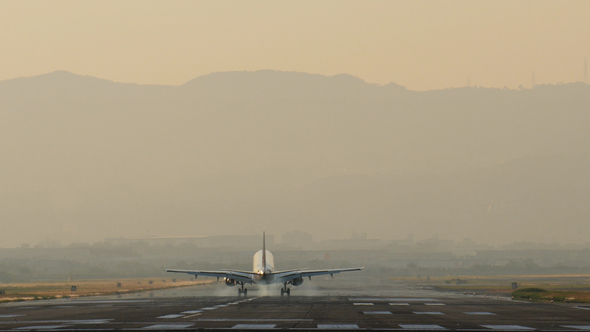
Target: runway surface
[{"x": 319, "y": 305}]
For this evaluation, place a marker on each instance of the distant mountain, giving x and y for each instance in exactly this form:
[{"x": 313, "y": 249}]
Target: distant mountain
[
  {"x": 85, "y": 158},
  {"x": 275, "y": 84},
  {"x": 63, "y": 84}
]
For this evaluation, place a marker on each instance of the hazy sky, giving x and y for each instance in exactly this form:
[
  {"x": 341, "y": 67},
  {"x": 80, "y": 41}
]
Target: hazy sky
[{"x": 419, "y": 44}]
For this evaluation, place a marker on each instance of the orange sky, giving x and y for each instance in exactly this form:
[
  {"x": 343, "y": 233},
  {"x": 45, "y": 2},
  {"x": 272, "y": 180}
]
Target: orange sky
[{"x": 419, "y": 44}]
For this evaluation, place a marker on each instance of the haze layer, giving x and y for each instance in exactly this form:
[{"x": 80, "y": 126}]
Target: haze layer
[{"x": 242, "y": 152}]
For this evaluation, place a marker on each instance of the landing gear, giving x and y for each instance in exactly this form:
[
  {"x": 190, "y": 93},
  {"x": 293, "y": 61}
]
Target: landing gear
[
  {"x": 243, "y": 291},
  {"x": 285, "y": 290}
]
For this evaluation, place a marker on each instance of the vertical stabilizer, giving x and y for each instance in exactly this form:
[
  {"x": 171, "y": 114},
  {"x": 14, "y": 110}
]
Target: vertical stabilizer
[{"x": 263, "y": 253}]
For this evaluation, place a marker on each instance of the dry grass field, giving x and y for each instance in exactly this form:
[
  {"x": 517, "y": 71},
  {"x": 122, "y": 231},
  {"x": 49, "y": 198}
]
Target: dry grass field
[
  {"x": 543, "y": 295},
  {"x": 558, "y": 288},
  {"x": 61, "y": 289}
]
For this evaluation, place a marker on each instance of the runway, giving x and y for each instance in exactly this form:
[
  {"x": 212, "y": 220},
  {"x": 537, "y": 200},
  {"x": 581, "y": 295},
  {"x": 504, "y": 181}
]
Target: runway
[{"x": 383, "y": 305}]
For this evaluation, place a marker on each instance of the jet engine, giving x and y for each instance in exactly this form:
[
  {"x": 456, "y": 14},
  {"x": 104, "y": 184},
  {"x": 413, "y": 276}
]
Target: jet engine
[
  {"x": 230, "y": 282},
  {"x": 297, "y": 281}
]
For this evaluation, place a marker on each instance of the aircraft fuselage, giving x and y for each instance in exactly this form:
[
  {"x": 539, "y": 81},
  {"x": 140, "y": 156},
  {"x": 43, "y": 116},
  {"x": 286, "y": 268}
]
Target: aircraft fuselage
[{"x": 263, "y": 265}]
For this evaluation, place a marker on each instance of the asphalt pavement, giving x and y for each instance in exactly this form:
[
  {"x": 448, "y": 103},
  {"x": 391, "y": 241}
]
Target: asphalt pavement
[{"x": 348, "y": 303}]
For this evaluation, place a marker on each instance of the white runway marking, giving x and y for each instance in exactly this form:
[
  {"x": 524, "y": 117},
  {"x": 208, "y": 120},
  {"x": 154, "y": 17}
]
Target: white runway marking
[
  {"x": 287, "y": 320},
  {"x": 107, "y": 301},
  {"x": 10, "y": 316},
  {"x": 580, "y": 307},
  {"x": 399, "y": 303},
  {"x": 377, "y": 312},
  {"x": 41, "y": 327},
  {"x": 390, "y": 299},
  {"x": 61, "y": 321},
  {"x": 191, "y": 316},
  {"x": 86, "y": 321},
  {"x": 421, "y": 327},
  {"x": 362, "y": 303},
  {"x": 222, "y": 305},
  {"x": 254, "y": 326},
  {"x": 428, "y": 313},
  {"x": 170, "y": 316},
  {"x": 190, "y": 312},
  {"x": 577, "y": 327},
  {"x": 482, "y": 313},
  {"x": 337, "y": 327},
  {"x": 508, "y": 327},
  {"x": 434, "y": 303},
  {"x": 209, "y": 308},
  {"x": 167, "y": 327}
]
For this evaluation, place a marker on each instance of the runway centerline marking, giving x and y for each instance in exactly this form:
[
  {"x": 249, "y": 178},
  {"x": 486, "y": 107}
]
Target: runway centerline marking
[
  {"x": 434, "y": 304},
  {"x": 60, "y": 321},
  {"x": 106, "y": 301},
  {"x": 337, "y": 327},
  {"x": 170, "y": 316},
  {"x": 482, "y": 313},
  {"x": 285, "y": 320},
  {"x": 41, "y": 327},
  {"x": 377, "y": 312},
  {"x": 190, "y": 316},
  {"x": 391, "y": 299},
  {"x": 508, "y": 327},
  {"x": 428, "y": 313},
  {"x": 10, "y": 316},
  {"x": 362, "y": 303},
  {"x": 190, "y": 312},
  {"x": 254, "y": 326},
  {"x": 421, "y": 327},
  {"x": 167, "y": 327},
  {"x": 399, "y": 303},
  {"x": 577, "y": 327}
]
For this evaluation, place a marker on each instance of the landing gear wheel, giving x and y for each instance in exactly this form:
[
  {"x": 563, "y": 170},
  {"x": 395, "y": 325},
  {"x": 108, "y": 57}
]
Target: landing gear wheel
[
  {"x": 285, "y": 290},
  {"x": 243, "y": 291}
]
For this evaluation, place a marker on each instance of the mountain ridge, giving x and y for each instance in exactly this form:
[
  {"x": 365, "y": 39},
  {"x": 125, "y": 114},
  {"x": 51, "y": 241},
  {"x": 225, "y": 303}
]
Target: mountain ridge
[
  {"x": 270, "y": 76},
  {"x": 85, "y": 157}
]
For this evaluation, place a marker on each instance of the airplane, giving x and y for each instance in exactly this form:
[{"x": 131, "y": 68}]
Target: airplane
[{"x": 264, "y": 273}]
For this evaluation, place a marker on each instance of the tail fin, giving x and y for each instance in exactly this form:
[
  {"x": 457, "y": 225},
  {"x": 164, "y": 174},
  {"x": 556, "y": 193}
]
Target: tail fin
[{"x": 263, "y": 252}]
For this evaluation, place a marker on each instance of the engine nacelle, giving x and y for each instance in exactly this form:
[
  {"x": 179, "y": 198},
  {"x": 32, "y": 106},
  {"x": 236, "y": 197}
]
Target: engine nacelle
[
  {"x": 230, "y": 282},
  {"x": 297, "y": 281}
]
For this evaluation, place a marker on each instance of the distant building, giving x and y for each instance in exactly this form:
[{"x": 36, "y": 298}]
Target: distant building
[{"x": 215, "y": 241}]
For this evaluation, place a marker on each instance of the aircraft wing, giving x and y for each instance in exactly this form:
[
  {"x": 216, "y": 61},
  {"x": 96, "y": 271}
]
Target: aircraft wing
[
  {"x": 241, "y": 276},
  {"x": 285, "y": 276}
]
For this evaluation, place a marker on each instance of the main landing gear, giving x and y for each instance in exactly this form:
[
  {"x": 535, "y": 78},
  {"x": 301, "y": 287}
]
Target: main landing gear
[
  {"x": 285, "y": 290},
  {"x": 243, "y": 291}
]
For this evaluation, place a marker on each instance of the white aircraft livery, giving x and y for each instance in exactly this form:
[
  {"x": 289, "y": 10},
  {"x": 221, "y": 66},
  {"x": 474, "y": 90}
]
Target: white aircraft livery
[{"x": 264, "y": 273}]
